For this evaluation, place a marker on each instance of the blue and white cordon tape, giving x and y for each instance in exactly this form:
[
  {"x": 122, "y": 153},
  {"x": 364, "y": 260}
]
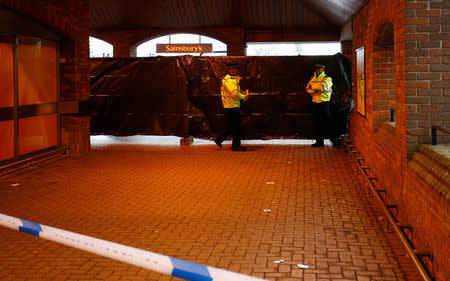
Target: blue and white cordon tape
[{"x": 152, "y": 261}]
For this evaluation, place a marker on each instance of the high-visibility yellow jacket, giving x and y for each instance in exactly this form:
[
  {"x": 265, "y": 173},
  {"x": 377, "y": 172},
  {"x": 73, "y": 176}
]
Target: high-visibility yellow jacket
[
  {"x": 320, "y": 88},
  {"x": 231, "y": 92}
]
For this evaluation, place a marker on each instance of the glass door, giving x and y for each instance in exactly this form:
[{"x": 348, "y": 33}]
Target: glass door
[
  {"x": 6, "y": 97},
  {"x": 29, "y": 96},
  {"x": 38, "y": 95}
]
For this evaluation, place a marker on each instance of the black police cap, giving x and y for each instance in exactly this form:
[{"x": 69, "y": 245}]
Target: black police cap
[{"x": 233, "y": 65}]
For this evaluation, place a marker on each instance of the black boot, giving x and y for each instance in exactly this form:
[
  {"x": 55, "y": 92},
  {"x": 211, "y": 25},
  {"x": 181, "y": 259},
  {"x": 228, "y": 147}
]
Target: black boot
[
  {"x": 337, "y": 142},
  {"x": 239, "y": 148},
  {"x": 318, "y": 144},
  {"x": 219, "y": 144}
]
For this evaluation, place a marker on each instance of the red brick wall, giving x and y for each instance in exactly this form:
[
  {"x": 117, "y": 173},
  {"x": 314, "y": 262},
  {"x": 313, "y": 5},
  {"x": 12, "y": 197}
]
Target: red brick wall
[
  {"x": 385, "y": 147},
  {"x": 71, "y": 20},
  {"x": 428, "y": 67},
  {"x": 366, "y": 27},
  {"x": 383, "y": 84},
  {"x": 428, "y": 213}
]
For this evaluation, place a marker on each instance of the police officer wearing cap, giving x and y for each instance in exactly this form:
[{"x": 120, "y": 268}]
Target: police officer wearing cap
[
  {"x": 319, "y": 87},
  {"x": 231, "y": 99}
]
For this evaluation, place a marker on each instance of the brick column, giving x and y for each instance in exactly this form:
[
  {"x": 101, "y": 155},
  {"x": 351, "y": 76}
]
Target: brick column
[
  {"x": 122, "y": 49},
  {"x": 75, "y": 133},
  {"x": 75, "y": 84},
  {"x": 346, "y": 47},
  {"x": 236, "y": 42}
]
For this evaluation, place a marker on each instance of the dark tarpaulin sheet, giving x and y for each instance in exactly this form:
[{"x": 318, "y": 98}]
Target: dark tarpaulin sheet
[
  {"x": 181, "y": 95},
  {"x": 138, "y": 96}
]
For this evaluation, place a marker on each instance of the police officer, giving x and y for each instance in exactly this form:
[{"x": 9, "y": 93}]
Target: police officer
[
  {"x": 231, "y": 99},
  {"x": 319, "y": 87}
]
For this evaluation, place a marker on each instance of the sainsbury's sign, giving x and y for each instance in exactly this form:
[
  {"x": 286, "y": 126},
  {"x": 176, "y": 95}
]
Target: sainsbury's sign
[{"x": 184, "y": 48}]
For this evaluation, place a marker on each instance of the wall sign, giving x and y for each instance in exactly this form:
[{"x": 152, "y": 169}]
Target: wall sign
[
  {"x": 360, "y": 82},
  {"x": 184, "y": 48}
]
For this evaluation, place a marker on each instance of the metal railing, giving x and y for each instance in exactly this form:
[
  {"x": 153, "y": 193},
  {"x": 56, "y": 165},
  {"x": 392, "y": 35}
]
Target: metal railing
[
  {"x": 35, "y": 159},
  {"x": 386, "y": 208},
  {"x": 434, "y": 130}
]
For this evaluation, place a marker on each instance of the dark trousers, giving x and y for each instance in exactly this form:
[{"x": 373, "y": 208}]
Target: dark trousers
[
  {"x": 233, "y": 127},
  {"x": 321, "y": 120}
]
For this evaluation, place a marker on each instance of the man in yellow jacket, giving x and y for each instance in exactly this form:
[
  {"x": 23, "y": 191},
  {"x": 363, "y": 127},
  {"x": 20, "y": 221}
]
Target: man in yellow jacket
[
  {"x": 319, "y": 87},
  {"x": 231, "y": 99}
]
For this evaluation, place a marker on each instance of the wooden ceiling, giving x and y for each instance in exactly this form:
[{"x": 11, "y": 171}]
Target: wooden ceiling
[
  {"x": 337, "y": 11},
  {"x": 263, "y": 14}
]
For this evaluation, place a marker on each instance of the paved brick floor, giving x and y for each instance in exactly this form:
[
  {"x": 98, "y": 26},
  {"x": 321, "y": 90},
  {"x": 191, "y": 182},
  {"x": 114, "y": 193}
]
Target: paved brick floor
[{"x": 202, "y": 204}]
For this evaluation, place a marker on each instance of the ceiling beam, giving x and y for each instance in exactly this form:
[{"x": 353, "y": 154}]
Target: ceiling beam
[
  {"x": 238, "y": 12},
  {"x": 347, "y": 31}
]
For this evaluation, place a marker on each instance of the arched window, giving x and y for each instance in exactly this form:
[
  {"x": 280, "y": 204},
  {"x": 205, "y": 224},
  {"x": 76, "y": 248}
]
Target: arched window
[
  {"x": 148, "y": 49},
  {"x": 384, "y": 75},
  {"x": 99, "y": 48}
]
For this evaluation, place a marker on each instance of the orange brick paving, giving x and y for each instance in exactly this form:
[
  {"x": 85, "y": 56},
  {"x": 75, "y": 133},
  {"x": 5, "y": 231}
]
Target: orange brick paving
[{"x": 201, "y": 204}]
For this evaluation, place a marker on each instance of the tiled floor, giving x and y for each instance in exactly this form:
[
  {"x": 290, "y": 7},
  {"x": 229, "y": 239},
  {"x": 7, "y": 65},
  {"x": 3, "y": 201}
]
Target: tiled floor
[{"x": 198, "y": 203}]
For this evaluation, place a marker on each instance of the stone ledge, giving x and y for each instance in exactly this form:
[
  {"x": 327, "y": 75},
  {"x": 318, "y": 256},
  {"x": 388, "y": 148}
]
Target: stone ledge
[
  {"x": 387, "y": 135},
  {"x": 432, "y": 164}
]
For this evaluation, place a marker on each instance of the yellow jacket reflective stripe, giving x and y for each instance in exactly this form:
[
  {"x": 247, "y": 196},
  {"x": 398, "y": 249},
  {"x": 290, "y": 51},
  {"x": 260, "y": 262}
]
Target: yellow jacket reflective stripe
[
  {"x": 320, "y": 88},
  {"x": 231, "y": 92}
]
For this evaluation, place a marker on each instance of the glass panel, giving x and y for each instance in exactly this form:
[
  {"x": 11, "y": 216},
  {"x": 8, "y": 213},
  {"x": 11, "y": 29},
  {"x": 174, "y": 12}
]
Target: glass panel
[
  {"x": 360, "y": 82},
  {"x": 293, "y": 49},
  {"x": 6, "y": 72},
  {"x": 7, "y": 139},
  {"x": 219, "y": 48},
  {"x": 37, "y": 71},
  {"x": 100, "y": 49},
  {"x": 184, "y": 38},
  {"x": 37, "y": 133},
  {"x": 319, "y": 49}
]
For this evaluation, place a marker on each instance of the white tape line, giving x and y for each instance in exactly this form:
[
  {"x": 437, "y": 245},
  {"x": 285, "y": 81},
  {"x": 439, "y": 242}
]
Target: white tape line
[{"x": 152, "y": 261}]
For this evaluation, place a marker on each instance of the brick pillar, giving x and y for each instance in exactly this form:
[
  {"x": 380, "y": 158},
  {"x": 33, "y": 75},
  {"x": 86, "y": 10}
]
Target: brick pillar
[
  {"x": 75, "y": 133},
  {"x": 122, "y": 49},
  {"x": 75, "y": 129},
  {"x": 346, "y": 47},
  {"x": 236, "y": 42},
  {"x": 133, "y": 51}
]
